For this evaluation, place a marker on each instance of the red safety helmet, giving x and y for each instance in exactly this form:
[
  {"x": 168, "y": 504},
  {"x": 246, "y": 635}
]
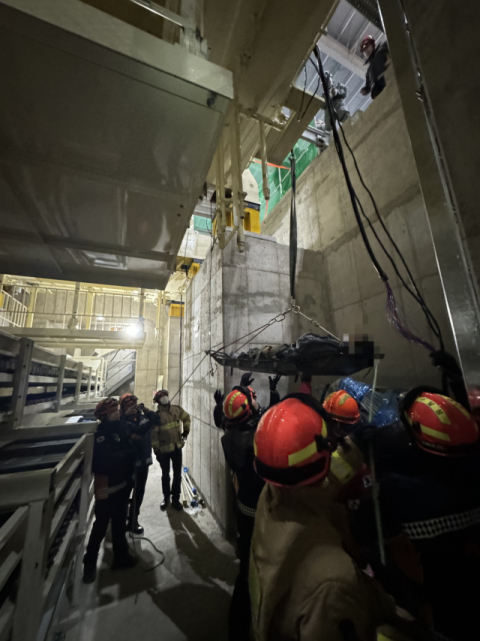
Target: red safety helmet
[
  {"x": 439, "y": 424},
  {"x": 105, "y": 407},
  {"x": 127, "y": 401},
  {"x": 369, "y": 40},
  {"x": 342, "y": 407},
  {"x": 158, "y": 395},
  {"x": 291, "y": 447},
  {"x": 237, "y": 406}
]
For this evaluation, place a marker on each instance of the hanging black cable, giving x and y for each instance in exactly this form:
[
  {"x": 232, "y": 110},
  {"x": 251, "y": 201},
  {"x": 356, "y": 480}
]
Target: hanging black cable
[
  {"x": 293, "y": 226},
  {"x": 432, "y": 321},
  {"x": 304, "y": 92},
  {"x": 393, "y": 311},
  {"x": 338, "y": 145}
]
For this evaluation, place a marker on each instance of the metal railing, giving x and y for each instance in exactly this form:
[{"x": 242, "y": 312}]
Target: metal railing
[
  {"x": 64, "y": 308},
  {"x": 12, "y": 312}
]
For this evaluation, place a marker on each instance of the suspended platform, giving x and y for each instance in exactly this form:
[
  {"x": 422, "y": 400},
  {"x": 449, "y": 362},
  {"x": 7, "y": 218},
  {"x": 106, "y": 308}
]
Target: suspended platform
[{"x": 311, "y": 354}]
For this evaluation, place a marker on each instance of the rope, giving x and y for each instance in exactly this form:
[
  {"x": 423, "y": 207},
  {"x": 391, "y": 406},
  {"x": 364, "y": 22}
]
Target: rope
[{"x": 293, "y": 227}]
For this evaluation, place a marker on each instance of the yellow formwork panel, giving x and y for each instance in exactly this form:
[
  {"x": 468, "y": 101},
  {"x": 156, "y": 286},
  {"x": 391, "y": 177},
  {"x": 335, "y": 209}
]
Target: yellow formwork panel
[
  {"x": 176, "y": 310},
  {"x": 194, "y": 267},
  {"x": 250, "y": 223}
]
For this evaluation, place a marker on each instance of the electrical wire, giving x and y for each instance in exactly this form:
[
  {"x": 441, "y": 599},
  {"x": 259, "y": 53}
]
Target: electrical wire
[
  {"x": 392, "y": 308},
  {"x": 142, "y": 538},
  {"x": 304, "y": 92},
  {"x": 432, "y": 321},
  {"x": 311, "y": 99}
]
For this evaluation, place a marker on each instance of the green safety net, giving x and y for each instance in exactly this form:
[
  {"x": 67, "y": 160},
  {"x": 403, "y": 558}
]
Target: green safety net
[
  {"x": 202, "y": 224},
  {"x": 280, "y": 179}
]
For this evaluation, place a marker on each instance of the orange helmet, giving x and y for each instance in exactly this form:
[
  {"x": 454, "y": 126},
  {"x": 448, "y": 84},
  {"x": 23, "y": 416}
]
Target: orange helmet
[
  {"x": 237, "y": 406},
  {"x": 127, "y": 401},
  {"x": 439, "y": 424},
  {"x": 291, "y": 447},
  {"x": 342, "y": 407},
  {"x": 105, "y": 407}
]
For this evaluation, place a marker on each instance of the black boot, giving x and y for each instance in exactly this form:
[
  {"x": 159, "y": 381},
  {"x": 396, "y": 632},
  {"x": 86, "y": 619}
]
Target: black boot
[
  {"x": 177, "y": 505},
  {"x": 124, "y": 561},
  {"x": 134, "y": 526},
  {"x": 165, "y": 503},
  {"x": 89, "y": 571}
]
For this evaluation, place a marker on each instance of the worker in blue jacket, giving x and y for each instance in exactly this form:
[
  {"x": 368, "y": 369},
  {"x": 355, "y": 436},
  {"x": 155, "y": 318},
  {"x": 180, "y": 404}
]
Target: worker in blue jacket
[
  {"x": 113, "y": 466},
  {"x": 138, "y": 420}
]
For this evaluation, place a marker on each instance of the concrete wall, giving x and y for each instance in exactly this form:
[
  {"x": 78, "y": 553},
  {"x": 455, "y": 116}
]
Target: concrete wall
[
  {"x": 234, "y": 294},
  {"x": 204, "y": 326},
  {"x": 327, "y": 225},
  {"x": 149, "y": 362},
  {"x": 171, "y": 370}
]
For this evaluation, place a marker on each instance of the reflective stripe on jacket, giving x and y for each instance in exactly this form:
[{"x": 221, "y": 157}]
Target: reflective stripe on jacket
[{"x": 168, "y": 434}]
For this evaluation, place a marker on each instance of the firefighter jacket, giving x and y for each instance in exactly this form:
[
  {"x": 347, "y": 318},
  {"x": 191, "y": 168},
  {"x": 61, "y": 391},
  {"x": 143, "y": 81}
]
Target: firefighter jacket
[
  {"x": 303, "y": 584},
  {"x": 141, "y": 424},
  {"x": 168, "y": 435},
  {"x": 113, "y": 458}
]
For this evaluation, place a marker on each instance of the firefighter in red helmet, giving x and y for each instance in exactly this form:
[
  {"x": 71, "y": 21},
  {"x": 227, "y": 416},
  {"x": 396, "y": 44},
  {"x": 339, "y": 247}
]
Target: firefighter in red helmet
[
  {"x": 431, "y": 509},
  {"x": 139, "y": 420},
  {"x": 239, "y": 414},
  {"x": 378, "y": 58},
  {"x": 303, "y": 584}
]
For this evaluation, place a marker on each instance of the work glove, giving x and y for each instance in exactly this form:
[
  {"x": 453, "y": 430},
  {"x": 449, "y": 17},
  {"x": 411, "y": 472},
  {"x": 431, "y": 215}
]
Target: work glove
[
  {"x": 273, "y": 381},
  {"x": 218, "y": 396},
  {"x": 447, "y": 363},
  {"x": 141, "y": 407},
  {"x": 246, "y": 379},
  {"x": 185, "y": 435}
]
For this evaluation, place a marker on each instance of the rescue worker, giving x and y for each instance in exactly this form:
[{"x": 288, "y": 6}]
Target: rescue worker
[
  {"x": 378, "y": 59},
  {"x": 338, "y": 94},
  {"x": 113, "y": 460},
  {"x": 431, "y": 512},
  {"x": 241, "y": 415},
  {"x": 168, "y": 440},
  {"x": 303, "y": 584},
  {"x": 246, "y": 381},
  {"x": 139, "y": 420}
]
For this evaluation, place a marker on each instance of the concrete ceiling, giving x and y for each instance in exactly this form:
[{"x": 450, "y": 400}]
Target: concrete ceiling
[{"x": 105, "y": 142}]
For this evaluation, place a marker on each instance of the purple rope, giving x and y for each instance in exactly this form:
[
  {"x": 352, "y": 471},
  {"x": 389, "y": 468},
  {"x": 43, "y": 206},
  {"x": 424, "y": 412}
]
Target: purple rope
[{"x": 394, "y": 315}]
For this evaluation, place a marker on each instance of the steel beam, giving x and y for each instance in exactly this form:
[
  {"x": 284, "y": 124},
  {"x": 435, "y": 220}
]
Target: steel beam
[
  {"x": 61, "y": 376},
  {"x": 20, "y": 382},
  {"x": 453, "y": 259},
  {"x": 78, "y": 385},
  {"x": 39, "y": 238},
  {"x": 344, "y": 56}
]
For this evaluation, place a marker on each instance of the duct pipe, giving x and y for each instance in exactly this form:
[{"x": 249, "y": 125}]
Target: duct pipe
[
  {"x": 141, "y": 312},
  {"x": 263, "y": 156},
  {"x": 221, "y": 213},
  {"x": 237, "y": 183}
]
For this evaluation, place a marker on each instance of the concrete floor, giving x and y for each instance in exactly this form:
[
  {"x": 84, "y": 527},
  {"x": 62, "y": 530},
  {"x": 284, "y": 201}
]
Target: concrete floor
[{"x": 185, "y": 598}]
